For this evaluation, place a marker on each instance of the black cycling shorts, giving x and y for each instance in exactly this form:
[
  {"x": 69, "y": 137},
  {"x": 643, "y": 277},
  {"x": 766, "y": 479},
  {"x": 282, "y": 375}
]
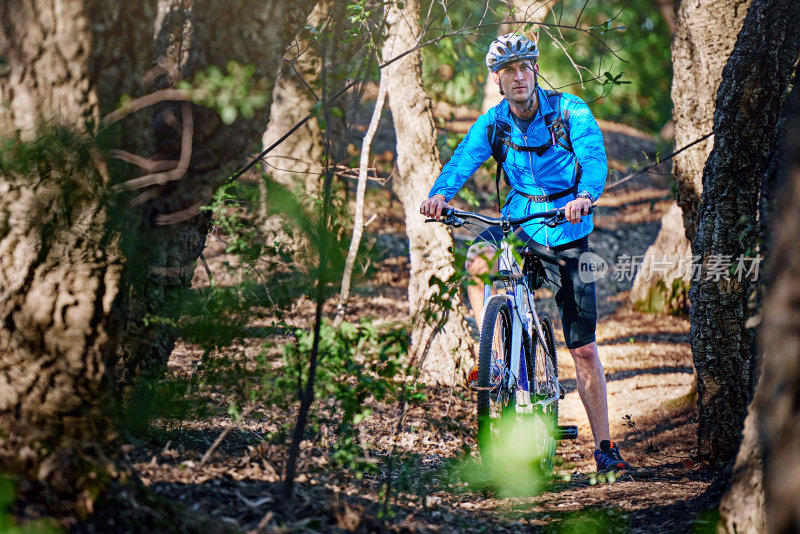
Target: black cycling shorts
[{"x": 576, "y": 300}]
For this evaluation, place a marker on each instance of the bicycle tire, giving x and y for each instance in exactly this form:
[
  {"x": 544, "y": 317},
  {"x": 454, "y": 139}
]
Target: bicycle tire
[
  {"x": 545, "y": 385},
  {"x": 495, "y": 334}
]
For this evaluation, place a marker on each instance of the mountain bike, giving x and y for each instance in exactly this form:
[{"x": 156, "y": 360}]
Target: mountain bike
[{"x": 517, "y": 378}]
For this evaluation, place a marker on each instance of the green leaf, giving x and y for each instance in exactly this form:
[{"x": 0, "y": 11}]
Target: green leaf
[{"x": 228, "y": 114}]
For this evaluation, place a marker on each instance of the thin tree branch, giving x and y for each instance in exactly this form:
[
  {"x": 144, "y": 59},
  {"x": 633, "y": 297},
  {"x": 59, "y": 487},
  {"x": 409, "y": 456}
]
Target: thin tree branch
[
  {"x": 143, "y": 102},
  {"x": 458, "y": 33},
  {"x": 358, "y": 219},
  {"x": 661, "y": 160},
  {"x": 146, "y": 196},
  {"x": 147, "y": 164},
  {"x": 223, "y": 435},
  {"x": 322, "y": 279},
  {"x": 183, "y": 164},
  {"x": 182, "y": 215},
  {"x": 580, "y": 14}
]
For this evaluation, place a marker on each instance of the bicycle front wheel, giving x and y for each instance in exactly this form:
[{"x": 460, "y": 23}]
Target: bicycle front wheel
[
  {"x": 545, "y": 390},
  {"x": 495, "y": 402}
]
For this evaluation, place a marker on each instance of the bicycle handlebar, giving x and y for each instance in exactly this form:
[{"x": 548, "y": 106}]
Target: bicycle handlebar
[
  {"x": 451, "y": 216},
  {"x": 454, "y": 217}
]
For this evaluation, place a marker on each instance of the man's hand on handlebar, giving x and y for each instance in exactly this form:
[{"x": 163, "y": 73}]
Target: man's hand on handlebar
[
  {"x": 576, "y": 208},
  {"x": 432, "y": 207}
]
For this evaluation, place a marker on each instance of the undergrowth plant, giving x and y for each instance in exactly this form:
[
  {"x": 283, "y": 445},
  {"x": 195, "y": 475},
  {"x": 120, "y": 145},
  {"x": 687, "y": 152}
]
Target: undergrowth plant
[
  {"x": 360, "y": 365},
  {"x": 8, "y": 524}
]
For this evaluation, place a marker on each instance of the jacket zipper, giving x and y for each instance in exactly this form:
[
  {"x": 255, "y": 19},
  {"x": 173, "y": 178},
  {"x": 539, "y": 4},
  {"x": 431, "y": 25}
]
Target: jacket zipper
[{"x": 530, "y": 166}]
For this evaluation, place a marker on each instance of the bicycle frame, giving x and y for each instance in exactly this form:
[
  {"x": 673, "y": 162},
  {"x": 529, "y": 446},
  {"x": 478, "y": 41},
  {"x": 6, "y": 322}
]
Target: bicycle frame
[
  {"x": 525, "y": 320},
  {"x": 523, "y": 317}
]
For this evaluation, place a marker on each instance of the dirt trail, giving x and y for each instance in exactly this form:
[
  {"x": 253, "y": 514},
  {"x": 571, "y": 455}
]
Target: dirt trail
[{"x": 647, "y": 360}]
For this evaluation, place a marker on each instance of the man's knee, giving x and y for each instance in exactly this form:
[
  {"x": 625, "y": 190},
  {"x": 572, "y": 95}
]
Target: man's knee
[
  {"x": 479, "y": 258},
  {"x": 585, "y": 352}
]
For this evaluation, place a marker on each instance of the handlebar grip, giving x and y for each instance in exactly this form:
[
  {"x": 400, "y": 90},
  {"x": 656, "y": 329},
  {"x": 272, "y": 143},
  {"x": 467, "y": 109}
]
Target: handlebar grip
[{"x": 446, "y": 212}]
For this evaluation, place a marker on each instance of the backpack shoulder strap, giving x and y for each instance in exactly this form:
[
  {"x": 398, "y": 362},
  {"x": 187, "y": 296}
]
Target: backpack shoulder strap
[
  {"x": 558, "y": 121},
  {"x": 497, "y": 137},
  {"x": 559, "y": 130}
]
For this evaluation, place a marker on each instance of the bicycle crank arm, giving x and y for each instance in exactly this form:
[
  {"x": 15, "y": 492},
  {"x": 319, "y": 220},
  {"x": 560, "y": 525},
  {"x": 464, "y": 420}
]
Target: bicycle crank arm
[{"x": 566, "y": 432}]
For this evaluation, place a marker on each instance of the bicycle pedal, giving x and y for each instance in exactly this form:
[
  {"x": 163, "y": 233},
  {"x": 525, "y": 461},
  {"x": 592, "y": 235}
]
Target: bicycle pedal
[{"x": 567, "y": 432}]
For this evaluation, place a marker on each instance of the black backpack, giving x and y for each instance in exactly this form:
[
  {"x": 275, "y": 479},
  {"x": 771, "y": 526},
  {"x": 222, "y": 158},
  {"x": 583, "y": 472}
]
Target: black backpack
[{"x": 558, "y": 125}]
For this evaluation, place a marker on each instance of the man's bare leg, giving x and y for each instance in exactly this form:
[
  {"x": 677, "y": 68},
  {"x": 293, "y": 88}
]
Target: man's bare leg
[
  {"x": 478, "y": 257},
  {"x": 592, "y": 390}
]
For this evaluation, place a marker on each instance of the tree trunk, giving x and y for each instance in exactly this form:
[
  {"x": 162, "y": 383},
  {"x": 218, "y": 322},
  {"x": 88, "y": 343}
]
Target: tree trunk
[
  {"x": 703, "y": 37},
  {"x": 61, "y": 287},
  {"x": 777, "y": 400},
  {"x": 662, "y": 283},
  {"x": 171, "y": 228},
  {"x": 298, "y": 159},
  {"x": 61, "y": 282},
  {"x": 523, "y": 12},
  {"x": 748, "y": 105},
  {"x": 297, "y": 163},
  {"x": 449, "y": 346},
  {"x": 705, "y": 32},
  {"x": 65, "y": 302},
  {"x": 742, "y": 506}
]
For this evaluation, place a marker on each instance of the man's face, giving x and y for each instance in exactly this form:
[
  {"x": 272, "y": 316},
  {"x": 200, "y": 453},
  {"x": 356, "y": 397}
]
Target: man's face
[{"x": 517, "y": 80}]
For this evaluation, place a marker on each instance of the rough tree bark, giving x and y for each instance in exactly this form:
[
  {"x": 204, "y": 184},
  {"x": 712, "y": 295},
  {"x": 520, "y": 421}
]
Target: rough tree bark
[
  {"x": 747, "y": 109},
  {"x": 61, "y": 308},
  {"x": 742, "y": 508},
  {"x": 66, "y": 302},
  {"x": 448, "y": 348},
  {"x": 704, "y": 33},
  {"x": 778, "y": 398}
]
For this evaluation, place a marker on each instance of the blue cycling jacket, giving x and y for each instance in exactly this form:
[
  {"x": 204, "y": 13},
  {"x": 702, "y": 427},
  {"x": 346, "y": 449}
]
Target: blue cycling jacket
[{"x": 550, "y": 173}]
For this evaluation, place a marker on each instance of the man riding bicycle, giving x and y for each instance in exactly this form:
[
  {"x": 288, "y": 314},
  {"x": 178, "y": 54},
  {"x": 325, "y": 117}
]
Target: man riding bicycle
[{"x": 553, "y": 156}]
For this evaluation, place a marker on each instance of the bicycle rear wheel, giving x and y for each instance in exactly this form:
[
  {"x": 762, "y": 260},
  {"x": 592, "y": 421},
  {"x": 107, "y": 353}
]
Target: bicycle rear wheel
[
  {"x": 545, "y": 388},
  {"x": 495, "y": 403}
]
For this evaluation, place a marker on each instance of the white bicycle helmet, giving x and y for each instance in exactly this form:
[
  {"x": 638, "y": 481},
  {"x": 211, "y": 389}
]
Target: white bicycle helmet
[{"x": 509, "y": 48}]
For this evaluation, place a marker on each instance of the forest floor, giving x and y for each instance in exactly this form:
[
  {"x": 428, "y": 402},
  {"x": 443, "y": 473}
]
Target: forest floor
[{"x": 648, "y": 365}]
